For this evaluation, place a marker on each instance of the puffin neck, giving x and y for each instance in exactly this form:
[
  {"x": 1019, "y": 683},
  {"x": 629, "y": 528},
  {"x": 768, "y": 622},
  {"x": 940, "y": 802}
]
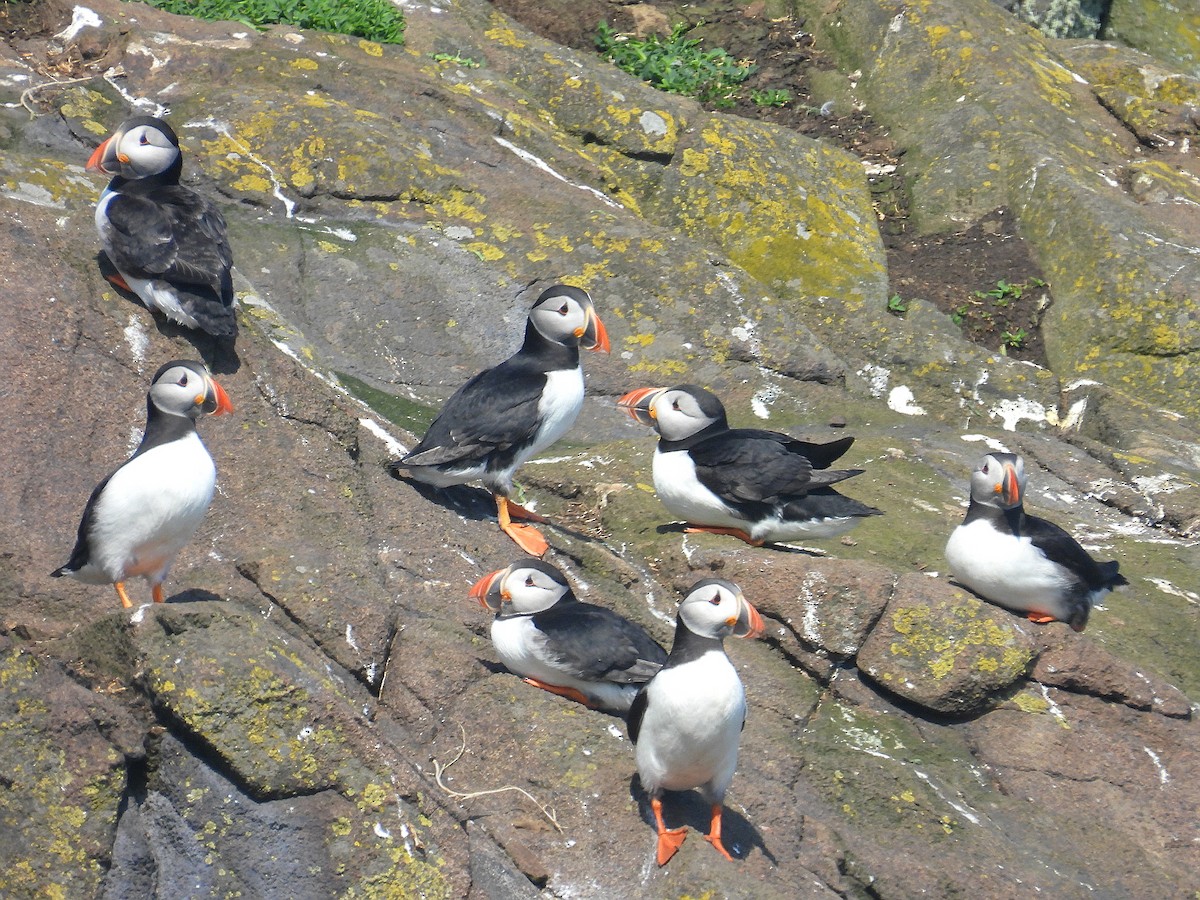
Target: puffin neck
[
  {"x": 169, "y": 176},
  {"x": 688, "y": 646},
  {"x": 665, "y": 446},
  {"x": 553, "y": 355},
  {"x": 1012, "y": 519},
  {"x": 163, "y": 428}
]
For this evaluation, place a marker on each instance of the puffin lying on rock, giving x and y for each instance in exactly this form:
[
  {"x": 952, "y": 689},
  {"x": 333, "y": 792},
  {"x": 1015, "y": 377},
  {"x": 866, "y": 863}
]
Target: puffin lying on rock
[
  {"x": 506, "y": 414},
  {"x": 1019, "y": 561},
  {"x": 167, "y": 242},
  {"x": 759, "y": 486},
  {"x": 687, "y": 721},
  {"x": 139, "y": 517},
  {"x": 543, "y": 633}
]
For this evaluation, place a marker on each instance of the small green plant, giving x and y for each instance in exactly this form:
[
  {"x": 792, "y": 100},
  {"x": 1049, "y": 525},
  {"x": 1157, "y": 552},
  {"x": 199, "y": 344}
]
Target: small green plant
[
  {"x": 959, "y": 315},
  {"x": 896, "y": 305},
  {"x": 1003, "y": 293},
  {"x": 1013, "y": 340},
  {"x": 375, "y": 20},
  {"x": 455, "y": 59},
  {"x": 771, "y": 97},
  {"x": 676, "y": 64}
]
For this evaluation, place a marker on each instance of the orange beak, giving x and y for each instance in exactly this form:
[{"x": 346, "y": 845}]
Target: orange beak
[
  {"x": 1010, "y": 488},
  {"x": 640, "y": 404},
  {"x": 223, "y": 404},
  {"x": 487, "y": 590},
  {"x": 96, "y": 162},
  {"x": 594, "y": 336},
  {"x": 749, "y": 623}
]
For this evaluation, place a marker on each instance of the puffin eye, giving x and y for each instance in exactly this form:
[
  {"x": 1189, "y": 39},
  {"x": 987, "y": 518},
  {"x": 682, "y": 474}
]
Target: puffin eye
[
  {"x": 716, "y": 599},
  {"x": 528, "y": 581},
  {"x": 143, "y": 140},
  {"x": 984, "y": 469},
  {"x": 183, "y": 380},
  {"x": 675, "y": 405},
  {"x": 564, "y": 309}
]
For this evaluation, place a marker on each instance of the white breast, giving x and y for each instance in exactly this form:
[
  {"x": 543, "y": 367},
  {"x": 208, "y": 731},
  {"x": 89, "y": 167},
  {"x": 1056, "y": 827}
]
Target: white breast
[
  {"x": 149, "y": 509},
  {"x": 692, "y": 726},
  {"x": 1006, "y": 569},
  {"x": 562, "y": 399},
  {"x": 682, "y": 493}
]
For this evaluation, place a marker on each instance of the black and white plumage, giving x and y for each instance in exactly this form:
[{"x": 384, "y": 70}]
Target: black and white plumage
[
  {"x": 1019, "y": 561},
  {"x": 755, "y": 484},
  {"x": 139, "y": 517},
  {"x": 506, "y": 414},
  {"x": 554, "y": 641},
  {"x": 687, "y": 721},
  {"x": 166, "y": 241}
]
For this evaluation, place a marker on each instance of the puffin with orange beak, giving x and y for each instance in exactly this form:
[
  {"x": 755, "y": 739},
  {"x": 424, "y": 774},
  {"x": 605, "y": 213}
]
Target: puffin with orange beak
[
  {"x": 166, "y": 242},
  {"x": 139, "y": 517},
  {"x": 560, "y": 644},
  {"x": 504, "y": 415},
  {"x": 1019, "y": 561},
  {"x": 756, "y": 485},
  {"x": 686, "y": 723}
]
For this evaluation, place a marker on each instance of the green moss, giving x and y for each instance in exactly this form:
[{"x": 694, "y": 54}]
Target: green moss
[{"x": 412, "y": 417}]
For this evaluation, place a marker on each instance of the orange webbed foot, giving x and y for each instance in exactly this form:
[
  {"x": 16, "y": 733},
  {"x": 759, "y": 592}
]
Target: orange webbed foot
[
  {"x": 733, "y": 532},
  {"x": 669, "y": 842},
  {"x": 527, "y": 538},
  {"x": 714, "y": 832},
  {"x": 1040, "y": 618},
  {"x": 124, "y": 597},
  {"x": 517, "y": 511},
  {"x": 117, "y": 280},
  {"x": 569, "y": 692},
  {"x": 157, "y": 593}
]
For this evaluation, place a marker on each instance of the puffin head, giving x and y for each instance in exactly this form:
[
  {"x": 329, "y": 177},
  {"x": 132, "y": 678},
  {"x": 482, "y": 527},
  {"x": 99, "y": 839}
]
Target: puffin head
[
  {"x": 565, "y": 315},
  {"x": 184, "y": 388},
  {"x": 526, "y": 587},
  {"x": 676, "y": 412},
  {"x": 716, "y": 608},
  {"x": 140, "y": 148},
  {"x": 999, "y": 480}
]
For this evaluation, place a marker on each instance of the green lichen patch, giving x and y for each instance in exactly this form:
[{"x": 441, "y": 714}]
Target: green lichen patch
[{"x": 944, "y": 650}]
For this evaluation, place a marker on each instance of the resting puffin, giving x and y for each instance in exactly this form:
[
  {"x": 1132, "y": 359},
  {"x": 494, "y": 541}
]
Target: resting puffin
[
  {"x": 167, "y": 242},
  {"x": 753, "y": 484},
  {"x": 1019, "y": 561},
  {"x": 506, "y": 414},
  {"x": 543, "y": 633},
  {"x": 139, "y": 517},
  {"x": 687, "y": 721}
]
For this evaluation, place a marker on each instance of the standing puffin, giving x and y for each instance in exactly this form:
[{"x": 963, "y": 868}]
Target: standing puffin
[
  {"x": 756, "y": 485},
  {"x": 139, "y": 517},
  {"x": 687, "y": 721},
  {"x": 506, "y": 414},
  {"x": 543, "y": 633},
  {"x": 1019, "y": 561},
  {"x": 166, "y": 242}
]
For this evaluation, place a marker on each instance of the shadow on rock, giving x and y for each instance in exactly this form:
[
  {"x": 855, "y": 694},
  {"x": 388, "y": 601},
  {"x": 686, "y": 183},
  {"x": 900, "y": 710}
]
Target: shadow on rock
[{"x": 690, "y": 809}]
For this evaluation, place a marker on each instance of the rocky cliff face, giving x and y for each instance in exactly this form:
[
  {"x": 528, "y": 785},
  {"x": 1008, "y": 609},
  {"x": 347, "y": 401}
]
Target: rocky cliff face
[{"x": 318, "y": 711}]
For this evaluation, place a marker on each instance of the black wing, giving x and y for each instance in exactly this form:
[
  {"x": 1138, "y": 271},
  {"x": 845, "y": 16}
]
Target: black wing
[
  {"x": 174, "y": 234},
  {"x": 492, "y": 413},
  {"x": 79, "y": 555},
  {"x": 1059, "y": 546},
  {"x": 596, "y": 644},
  {"x": 743, "y": 466},
  {"x": 637, "y": 710}
]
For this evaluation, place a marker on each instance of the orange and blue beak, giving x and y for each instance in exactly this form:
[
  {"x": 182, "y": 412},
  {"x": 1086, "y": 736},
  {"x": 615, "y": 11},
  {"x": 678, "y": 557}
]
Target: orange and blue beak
[
  {"x": 593, "y": 335},
  {"x": 640, "y": 404},
  {"x": 487, "y": 590}
]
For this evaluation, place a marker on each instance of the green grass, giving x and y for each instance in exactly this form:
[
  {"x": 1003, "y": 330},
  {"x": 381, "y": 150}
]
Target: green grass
[
  {"x": 676, "y": 64},
  {"x": 375, "y": 20}
]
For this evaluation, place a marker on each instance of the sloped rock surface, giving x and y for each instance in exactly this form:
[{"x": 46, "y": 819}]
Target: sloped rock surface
[{"x": 382, "y": 231}]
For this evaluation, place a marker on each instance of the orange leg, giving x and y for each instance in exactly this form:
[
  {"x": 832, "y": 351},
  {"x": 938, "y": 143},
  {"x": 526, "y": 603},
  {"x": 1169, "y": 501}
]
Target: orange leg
[
  {"x": 669, "y": 839},
  {"x": 714, "y": 832},
  {"x": 517, "y": 511},
  {"x": 157, "y": 593},
  {"x": 1040, "y": 618},
  {"x": 526, "y": 537},
  {"x": 116, "y": 279},
  {"x": 568, "y": 692},
  {"x": 713, "y": 529},
  {"x": 120, "y": 586}
]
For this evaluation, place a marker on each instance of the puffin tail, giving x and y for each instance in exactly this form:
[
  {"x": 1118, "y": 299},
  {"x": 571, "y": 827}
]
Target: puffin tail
[{"x": 1110, "y": 573}]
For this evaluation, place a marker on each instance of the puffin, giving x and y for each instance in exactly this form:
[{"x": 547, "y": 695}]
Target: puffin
[
  {"x": 139, "y": 517},
  {"x": 686, "y": 723},
  {"x": 504, "y": 415},
  {"x": 560, "y": 644},
  {"x": 757, "y": 485},
  {"x": 1019, "y": 561},
  {"x": 167, "y": 242}
]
